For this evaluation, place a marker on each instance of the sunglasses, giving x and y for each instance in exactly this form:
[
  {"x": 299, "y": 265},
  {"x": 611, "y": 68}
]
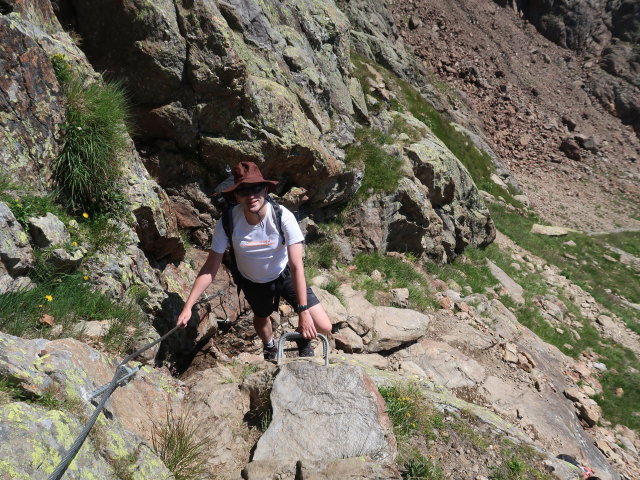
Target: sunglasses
[{"x": 250, "y": 190}]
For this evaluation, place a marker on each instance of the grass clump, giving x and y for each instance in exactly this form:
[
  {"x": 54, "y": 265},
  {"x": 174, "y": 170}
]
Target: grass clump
[
  {"x": 53, "y": 398},
  {"x": 332, "y": 286},
  {"x": 67, "y": 299},
  {"x": 177, "y": 443},
  {"x": 88, "y": 170},
  {"x": 9, "y": 392},
  {"x": 517, "y": 464},
  {"x": 396, "y": 274},
  {"x": 417, "y": 467},
  {"x": 381, "y": 170},
  {"x": 409, "y": 411},
  {"x": 25, "y": 206},
  {"x": 412, "y": 417},
  {"x": 321, "y": 255}
]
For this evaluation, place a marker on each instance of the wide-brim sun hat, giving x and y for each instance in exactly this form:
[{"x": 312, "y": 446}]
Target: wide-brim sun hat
[{"x": 247, "y": 172}]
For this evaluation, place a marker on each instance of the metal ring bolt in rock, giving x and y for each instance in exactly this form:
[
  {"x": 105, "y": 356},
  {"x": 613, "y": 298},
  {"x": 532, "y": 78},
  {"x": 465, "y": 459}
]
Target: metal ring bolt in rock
[{"x": 298, "y": 336}]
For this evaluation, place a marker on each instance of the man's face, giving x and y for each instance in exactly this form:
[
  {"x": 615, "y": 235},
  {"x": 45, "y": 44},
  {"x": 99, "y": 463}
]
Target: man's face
[{"x": 251, "y": 196}]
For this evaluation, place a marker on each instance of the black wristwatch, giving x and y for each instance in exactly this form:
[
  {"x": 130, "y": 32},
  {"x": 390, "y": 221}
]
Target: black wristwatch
[{"x": 302, "y": 308}]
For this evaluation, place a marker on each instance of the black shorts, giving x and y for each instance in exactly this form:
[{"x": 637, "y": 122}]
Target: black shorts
[{"x": 265, "y": 297}]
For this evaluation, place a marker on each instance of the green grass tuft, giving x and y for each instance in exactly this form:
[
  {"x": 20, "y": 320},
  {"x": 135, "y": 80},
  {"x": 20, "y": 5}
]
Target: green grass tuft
[
  {"x": 417, "y": 467},
  {"x": 396, "y": 273},
  {"x": 177, "y": 443},
  {"x": 409, "y": 411},
  {"x": 321, "y": 255},
  {"x": 68, "y": 299},
  {"x": 381, "y": 170},
  {"x": 88, "y": 170}
]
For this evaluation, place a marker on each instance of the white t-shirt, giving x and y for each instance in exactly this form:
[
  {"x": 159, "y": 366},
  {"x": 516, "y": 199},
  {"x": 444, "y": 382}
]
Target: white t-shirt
[{"x": 258, "y": 249}]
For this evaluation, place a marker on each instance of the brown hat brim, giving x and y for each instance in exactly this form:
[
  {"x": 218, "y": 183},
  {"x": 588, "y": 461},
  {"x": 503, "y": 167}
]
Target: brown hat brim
[{"x": 269, "y": 183}]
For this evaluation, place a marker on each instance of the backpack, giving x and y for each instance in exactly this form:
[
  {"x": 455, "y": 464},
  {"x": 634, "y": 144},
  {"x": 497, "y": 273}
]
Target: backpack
[{"x": 227, "y": 224}]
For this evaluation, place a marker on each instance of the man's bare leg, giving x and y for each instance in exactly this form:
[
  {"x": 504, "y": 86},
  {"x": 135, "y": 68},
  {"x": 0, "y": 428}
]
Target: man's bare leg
[
  {"x": 263, "y": 328},
  {"x": 320, "y": 319}
]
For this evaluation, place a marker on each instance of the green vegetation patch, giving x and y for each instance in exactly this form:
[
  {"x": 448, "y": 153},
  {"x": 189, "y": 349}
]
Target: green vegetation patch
[
  {"x": 425, "y": 435},
  {"x": 24, "y": 205},
  {"x": 65, "y": 300},
  {"x": 603, "y": 280},
  {"x": 621, "y": 409},
  {"x": 52, "y": 399},
  {"x": 381, "y": 170},
  {"x": 408, "y": 410},
  {"x": 588, "y": 268},
  {"x": 627, "y": 241},
  {"x": 177, "y": 442},
  {"x": 396, "y": 273},
  {"x": 323, "y": 254},
  {"x": 88, "y": 170}
]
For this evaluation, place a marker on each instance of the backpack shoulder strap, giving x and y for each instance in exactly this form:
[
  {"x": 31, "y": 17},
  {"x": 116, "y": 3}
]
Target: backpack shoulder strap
[
  {"x": 227, "y": 223},
  {"x": 276, "y": 211}
]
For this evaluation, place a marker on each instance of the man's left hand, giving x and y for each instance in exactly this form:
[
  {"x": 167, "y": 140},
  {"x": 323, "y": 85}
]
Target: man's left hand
[{"x": 306, "y": 326}]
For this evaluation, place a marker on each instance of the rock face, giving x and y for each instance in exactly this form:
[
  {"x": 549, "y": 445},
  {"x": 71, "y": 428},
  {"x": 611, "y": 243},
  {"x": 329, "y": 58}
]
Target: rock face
[
  {"x": 240, "y": 82},
  {"x": 323, "y": 414},
  {"x": 31, "y": 104},
  {"x": 16, "y": 254},
  {"x": 273, "y": 86},
  {"x": 608, "y": 30}
]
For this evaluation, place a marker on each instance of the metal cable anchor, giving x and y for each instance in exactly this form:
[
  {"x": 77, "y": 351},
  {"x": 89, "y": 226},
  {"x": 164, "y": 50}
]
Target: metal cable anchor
[{"x": 127, "y": 373}]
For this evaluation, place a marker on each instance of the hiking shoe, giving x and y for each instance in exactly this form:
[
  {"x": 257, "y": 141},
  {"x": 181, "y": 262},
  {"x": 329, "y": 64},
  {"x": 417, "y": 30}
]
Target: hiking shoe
[
  {"x": 270, "y": 353},
  {"x": 304, "y": 348}
]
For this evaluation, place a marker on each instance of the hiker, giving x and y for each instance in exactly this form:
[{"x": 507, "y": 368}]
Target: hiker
[{"x": 267, "y": 247}]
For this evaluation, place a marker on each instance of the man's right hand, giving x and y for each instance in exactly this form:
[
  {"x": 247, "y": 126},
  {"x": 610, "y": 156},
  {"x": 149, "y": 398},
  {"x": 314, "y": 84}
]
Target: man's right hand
[{"x": 184, "y": 317}]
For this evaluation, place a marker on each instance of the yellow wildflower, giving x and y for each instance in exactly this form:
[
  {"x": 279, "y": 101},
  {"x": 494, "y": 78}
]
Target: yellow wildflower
[
  {"x": 85, "y": 214},
  {"x": 75, "y": 244},
  {"x": 85, "y": 278},
  {"x": 49, "y": 298}
]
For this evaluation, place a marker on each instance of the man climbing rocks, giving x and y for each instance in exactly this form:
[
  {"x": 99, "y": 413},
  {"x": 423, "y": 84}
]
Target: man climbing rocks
[{"x": 266, "y": 243}]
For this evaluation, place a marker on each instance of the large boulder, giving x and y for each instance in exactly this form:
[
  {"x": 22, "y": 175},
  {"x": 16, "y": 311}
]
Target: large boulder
[
  {"x": 77, "y": 369},
  {"x": 452, "y": 193},
  {"x": 216, "y": 400},
  {"x": 393, "y": 327},
  {"x": 48, "y": 231},
  {"x": 381, "y": 328},
  {"x": 326, "y": 413},
  {"x": 70, "y": 369},
  {"x": 436, "y": 210}
]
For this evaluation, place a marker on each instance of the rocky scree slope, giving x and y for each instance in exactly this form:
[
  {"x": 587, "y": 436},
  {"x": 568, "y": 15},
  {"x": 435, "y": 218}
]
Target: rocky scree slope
[{"x": 550, "y": 111}]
